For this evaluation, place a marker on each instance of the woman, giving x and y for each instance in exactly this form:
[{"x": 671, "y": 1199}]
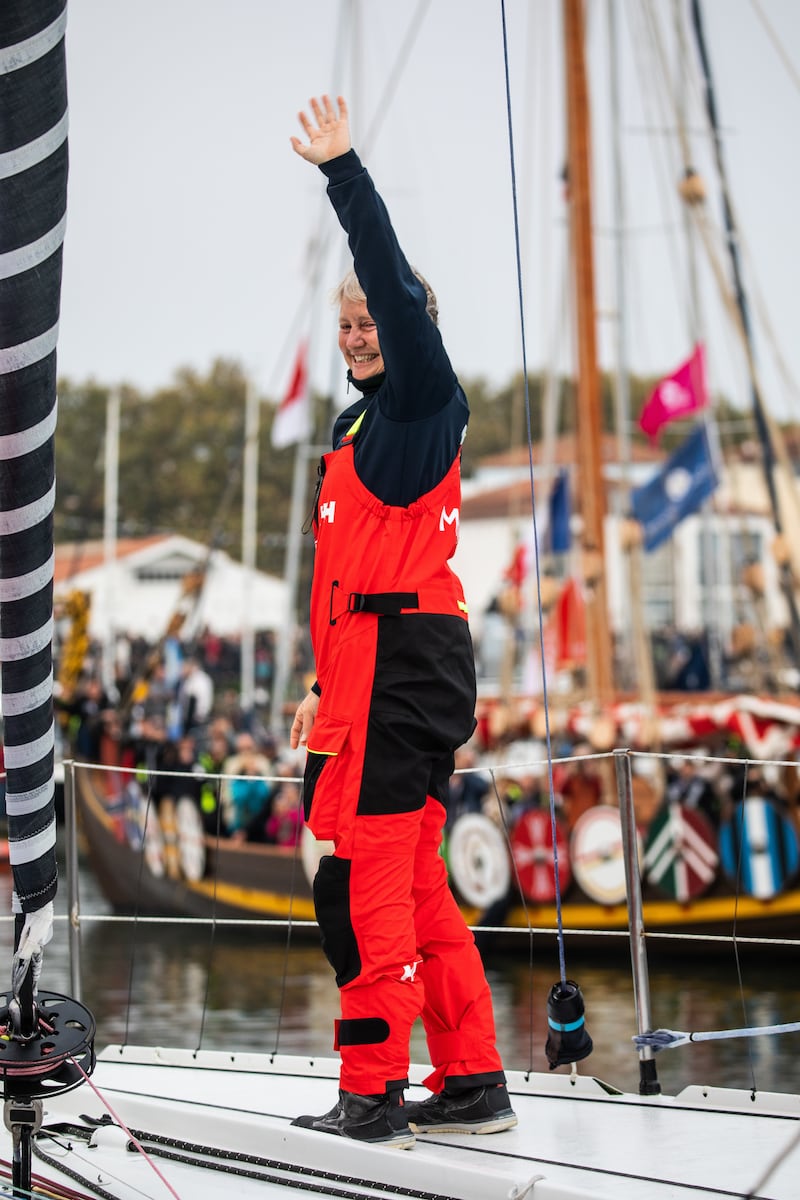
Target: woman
[{"x": 395, "y": 693}]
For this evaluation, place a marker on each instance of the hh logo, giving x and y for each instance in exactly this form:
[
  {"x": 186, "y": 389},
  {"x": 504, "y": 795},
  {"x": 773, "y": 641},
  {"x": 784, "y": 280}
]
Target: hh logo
[
  {"x": 448, "y": 518},
  {"x": 409, "y": 972},
  {"x": 327, "y": 510}
]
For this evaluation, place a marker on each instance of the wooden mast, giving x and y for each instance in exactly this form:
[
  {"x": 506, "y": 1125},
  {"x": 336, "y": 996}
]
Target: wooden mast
[{"x": 591, "y": 487}]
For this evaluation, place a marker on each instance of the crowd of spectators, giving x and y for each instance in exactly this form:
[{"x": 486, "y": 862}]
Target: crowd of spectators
[
  {"x": 180, "y": 714},
  {"x": 175, "y": 711}
]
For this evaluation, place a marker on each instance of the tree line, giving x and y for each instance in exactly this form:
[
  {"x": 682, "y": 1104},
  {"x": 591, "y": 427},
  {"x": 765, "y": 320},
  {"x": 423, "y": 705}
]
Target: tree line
[{"x": 181, "y": 454}]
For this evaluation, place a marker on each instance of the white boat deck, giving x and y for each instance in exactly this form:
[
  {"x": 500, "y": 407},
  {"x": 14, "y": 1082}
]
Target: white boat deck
[{"x": 229, "y": 1117}]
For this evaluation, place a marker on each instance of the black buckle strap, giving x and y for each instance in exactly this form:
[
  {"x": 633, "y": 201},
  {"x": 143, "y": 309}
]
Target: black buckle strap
[{"x": 383, "y": 604}]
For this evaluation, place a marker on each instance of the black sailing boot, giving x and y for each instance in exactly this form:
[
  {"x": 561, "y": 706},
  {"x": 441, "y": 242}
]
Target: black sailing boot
[
  {"x": 474, "y": 1110},
  {"x": 380, "y": 1119}
]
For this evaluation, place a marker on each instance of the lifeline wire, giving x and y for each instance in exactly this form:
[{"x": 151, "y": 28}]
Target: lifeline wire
[{"x": 512, "y": 164}]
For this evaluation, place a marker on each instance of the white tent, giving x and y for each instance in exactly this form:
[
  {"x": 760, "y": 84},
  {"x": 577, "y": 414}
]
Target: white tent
[{"x": 138, "y": 593}]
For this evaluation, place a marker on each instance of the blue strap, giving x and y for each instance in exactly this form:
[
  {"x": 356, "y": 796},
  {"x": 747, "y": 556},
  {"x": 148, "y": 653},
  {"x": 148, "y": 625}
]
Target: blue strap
[{"x": 565, "y": 1028}]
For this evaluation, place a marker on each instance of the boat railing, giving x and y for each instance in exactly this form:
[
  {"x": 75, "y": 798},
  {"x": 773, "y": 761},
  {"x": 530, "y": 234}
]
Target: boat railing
[{"x": 620, "y": 765}]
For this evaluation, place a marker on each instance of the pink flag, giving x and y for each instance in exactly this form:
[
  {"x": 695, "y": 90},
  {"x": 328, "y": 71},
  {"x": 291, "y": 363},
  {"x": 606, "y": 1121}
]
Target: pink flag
[
  {"x": 293, "y": 419},
  {"x": 681, "y": 393}
]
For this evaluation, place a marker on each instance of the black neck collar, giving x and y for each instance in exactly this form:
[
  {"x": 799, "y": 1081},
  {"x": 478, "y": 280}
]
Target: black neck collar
[{"x": 366, "y": 386}]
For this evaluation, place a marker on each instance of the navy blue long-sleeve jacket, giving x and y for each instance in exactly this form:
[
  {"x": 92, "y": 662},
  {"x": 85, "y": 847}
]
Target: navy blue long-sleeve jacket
[{"x": 415, "y": 421}]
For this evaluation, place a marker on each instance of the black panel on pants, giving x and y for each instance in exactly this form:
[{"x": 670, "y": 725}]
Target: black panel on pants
[
  {"x": 421, "y": 709},
  {"x": 332, "y": 905}
]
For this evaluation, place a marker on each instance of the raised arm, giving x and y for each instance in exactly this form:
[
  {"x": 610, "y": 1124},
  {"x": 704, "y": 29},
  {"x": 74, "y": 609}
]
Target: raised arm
[{"x": 420, "y": 384}]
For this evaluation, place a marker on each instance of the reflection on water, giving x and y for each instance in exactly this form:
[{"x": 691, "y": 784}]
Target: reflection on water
[{"x": 232, "y": 990}]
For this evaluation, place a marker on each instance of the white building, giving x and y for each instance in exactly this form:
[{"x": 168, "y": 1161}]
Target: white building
[
  {"x": 690, "y": 582},
  {"x": 145, "y": 585}
]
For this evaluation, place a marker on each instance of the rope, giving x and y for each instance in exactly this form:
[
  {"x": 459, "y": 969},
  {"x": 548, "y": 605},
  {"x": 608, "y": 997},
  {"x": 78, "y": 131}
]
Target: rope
[
  {"x": 133, "y": 1140},
  {"x": 517, "y": 248},
  {"x": 666, "y": 1039}
]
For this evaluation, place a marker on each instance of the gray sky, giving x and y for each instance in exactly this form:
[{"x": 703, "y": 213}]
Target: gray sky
[{"x": 191, "y": 221}]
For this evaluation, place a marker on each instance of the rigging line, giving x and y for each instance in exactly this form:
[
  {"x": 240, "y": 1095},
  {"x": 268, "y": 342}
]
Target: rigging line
[
  {"x": 789, "y": 379},
  {"x": 708, "y": 233},
  {"x": 551, "y": 785},
  {"x": 501, "y": 808},
  {"x": 777, "y": 44},
  {"x": 735, "y": 945},
  {"x": 213, "y": 934},
  {"x": 772, "y": 1167},
  {"x": 651, "y": 65},
  {"x": 770, "y": 441},
  {"x": 149, "y": 808},
  {"x": 300, "y": 808}
]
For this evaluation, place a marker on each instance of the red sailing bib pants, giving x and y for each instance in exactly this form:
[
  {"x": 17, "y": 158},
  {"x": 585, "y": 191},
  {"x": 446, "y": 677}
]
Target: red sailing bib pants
[{"x": 396, "y": 671}]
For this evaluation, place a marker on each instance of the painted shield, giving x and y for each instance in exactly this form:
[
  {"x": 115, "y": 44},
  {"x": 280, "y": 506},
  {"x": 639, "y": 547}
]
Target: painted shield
[
  {"x": 759, "y": 848},
  {"x": 597, "y": 855},
  {"x": 680, "y": 853},
  {"x": 532, "y": 848},
  {"x": 477, "y": 859}
]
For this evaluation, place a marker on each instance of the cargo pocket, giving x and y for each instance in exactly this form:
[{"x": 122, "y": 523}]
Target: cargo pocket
[
  {"x": 332, "y": 904},
  {"x": 324, "y": 746}
]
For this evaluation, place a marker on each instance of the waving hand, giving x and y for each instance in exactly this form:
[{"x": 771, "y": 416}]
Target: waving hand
[{"x": 329, "y": 137}]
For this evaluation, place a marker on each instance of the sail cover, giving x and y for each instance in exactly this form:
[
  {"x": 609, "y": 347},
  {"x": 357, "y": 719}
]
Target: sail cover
[{"x": 33, "y": 189}]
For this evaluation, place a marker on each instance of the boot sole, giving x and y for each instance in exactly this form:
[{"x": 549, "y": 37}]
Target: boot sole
[
  {"x": 495, "y": 1125},
  {"x": 406, "y": 1142},
  {"x": 398, "y": 1141}
]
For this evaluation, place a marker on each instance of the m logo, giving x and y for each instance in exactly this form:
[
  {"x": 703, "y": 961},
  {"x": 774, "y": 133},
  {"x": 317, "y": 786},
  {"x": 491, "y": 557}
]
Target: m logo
[
  {"x": 409, "y": 973},
  {"x": 448, "y": 518},
  {"x": 327, "y": 510}
]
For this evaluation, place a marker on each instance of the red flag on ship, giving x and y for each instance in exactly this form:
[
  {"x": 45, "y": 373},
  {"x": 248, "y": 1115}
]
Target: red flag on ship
[
  {"x": 569, "y": 619},
  {"x": 293, "y": 419},
  {"x": 677, "y": 395}
]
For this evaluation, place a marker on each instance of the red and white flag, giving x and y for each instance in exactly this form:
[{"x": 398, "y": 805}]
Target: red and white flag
[
  {"x": 293, "y": 419},
  {"x": 681, "y": 393}
]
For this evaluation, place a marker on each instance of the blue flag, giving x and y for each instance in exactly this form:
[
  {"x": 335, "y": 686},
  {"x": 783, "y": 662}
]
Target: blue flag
[
  {"x": 678, "y": 490},
  {"x": 558, "y": 536}
]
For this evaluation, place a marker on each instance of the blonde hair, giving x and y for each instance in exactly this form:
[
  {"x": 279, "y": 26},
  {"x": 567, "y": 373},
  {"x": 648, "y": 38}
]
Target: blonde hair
[{"x": 351, "y": 289}]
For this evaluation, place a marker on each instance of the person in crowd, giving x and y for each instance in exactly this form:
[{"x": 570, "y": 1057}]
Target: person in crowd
[
  {"x": 394, "y": 695},
  {"x": 211, "y": 761},
  {"x": 284, "y": 825},
  {"x": 87, "y": 710},
  {"x": 467, "y": 787},
  {"x": 246, "y": 794},
  {"x": 195, "y": 696}
]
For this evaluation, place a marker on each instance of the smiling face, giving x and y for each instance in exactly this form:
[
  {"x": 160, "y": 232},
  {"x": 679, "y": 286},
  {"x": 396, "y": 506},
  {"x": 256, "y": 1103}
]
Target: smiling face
[{"x": 358, "y": 339}]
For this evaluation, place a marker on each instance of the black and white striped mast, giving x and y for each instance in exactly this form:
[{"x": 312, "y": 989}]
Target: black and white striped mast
[
  {"x": 33, "y": 202},
  {"x": 33, "y": 196}
]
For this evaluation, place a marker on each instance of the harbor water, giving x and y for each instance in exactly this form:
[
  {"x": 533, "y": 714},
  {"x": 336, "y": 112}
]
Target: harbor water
[{"x": 198, "y": 986}]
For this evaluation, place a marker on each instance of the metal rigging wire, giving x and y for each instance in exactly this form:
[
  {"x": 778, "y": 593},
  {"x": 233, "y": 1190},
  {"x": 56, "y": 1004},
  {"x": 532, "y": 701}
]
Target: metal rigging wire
[{"x": 537, "y": 568}]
